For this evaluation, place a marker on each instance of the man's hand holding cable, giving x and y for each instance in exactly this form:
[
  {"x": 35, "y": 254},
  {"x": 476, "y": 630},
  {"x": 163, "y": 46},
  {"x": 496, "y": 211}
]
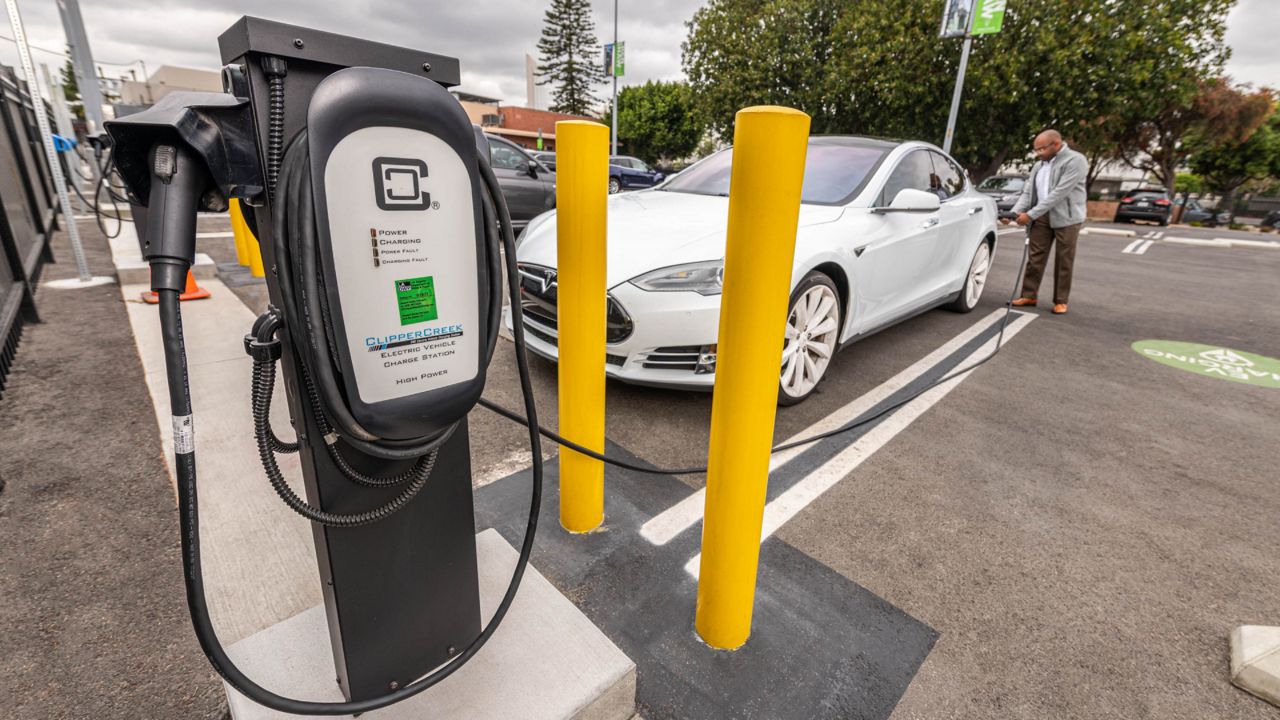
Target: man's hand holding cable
[{"x": 1023, "y": 219}]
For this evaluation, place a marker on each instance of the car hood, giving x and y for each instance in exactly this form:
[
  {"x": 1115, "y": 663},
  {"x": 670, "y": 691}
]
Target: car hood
[{"x": 654, "y": 229}]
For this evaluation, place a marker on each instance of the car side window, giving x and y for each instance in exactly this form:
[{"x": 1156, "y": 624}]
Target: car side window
[
  {"x": 505, "y": 157},
  {"x": 915, "y": 172},
  {"x": 950, "y": 179}
]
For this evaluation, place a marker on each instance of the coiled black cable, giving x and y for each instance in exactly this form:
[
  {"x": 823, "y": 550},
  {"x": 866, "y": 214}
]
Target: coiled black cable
[
  {"x": 275, "y": 70},
  {"x": 264, "y": 381},
  {"x": 264, "y": 377}
]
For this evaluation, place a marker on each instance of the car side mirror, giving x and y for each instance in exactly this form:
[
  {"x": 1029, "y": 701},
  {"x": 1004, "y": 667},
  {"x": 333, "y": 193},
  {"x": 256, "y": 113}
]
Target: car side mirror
[
  {"x": 911, "y": 200},
  {"x": 530, "y": 169}
]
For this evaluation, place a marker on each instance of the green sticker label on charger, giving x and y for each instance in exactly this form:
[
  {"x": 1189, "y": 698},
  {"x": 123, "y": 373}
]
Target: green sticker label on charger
[{"x": 416, "y": 299}]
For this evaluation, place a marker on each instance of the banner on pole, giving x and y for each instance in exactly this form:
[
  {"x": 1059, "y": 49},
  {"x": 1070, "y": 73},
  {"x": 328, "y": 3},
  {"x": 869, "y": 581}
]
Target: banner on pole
[
  {"x": 955, "y": 18},
  {"x": 988, "y": 17},
  {"x": 615, "y": 59}
]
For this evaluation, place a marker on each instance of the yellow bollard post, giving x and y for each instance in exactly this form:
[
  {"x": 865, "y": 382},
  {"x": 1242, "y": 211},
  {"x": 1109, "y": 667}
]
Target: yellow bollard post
[
  {"x": 769, "y": 146},
  {"x": 240, "y": 230},
  {"x": 582, "y": 189},
  {"x": 253, "y": 249}
]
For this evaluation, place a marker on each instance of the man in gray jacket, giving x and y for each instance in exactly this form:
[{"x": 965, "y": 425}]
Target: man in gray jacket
[{"x": 1053, "y": 203}]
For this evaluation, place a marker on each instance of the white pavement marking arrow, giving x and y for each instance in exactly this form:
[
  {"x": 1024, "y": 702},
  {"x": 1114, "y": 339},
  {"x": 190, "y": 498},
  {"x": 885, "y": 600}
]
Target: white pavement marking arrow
[
  {"x": 826, "y": 476},
  {"x": 1131, "y": 246}
]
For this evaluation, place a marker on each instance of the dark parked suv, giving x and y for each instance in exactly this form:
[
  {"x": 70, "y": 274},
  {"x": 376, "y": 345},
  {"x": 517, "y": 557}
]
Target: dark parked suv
[
  {"x": 629, "y": 173},
  {"x": 1005, "y": 189},
  {"x": 1145, "y": 204},
  {"x": 528, "y": 186}
]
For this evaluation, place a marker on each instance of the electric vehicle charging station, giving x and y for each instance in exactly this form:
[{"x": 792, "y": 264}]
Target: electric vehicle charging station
[{"x": 380, "y": 229}]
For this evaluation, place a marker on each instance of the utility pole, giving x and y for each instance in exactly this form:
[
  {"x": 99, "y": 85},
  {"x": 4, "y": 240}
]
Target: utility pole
[
  {"x": 955, "y": 96},
  {"x": 82, "y": 61},
  {"x": 613, "y": 70}
]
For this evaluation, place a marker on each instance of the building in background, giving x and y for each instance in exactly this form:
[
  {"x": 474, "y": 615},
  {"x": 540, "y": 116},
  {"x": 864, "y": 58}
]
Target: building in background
[
  {"x": 535, "y": 94},
  {"x": 520, "y": 125},
  {"x": 167, "y": 79}
]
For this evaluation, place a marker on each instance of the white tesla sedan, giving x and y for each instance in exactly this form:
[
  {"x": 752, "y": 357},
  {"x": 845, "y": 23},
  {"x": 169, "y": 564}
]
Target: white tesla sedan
[{"x": 887, "y": 230}]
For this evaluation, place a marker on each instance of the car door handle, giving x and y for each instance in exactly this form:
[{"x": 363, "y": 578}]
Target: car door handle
[
  {"x": 975, "y": 210},
  {"x": 929, "y": 223}
]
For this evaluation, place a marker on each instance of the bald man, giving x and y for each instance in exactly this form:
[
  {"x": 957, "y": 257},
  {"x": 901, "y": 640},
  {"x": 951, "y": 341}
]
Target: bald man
[{"x": 1053, "y": 204}]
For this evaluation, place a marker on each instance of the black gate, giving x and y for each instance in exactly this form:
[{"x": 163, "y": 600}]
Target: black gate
[{"x": 27, "y": 213}]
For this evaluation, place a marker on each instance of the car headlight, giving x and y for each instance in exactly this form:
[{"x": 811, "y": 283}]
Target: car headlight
[{"x": 704, "y": 278}]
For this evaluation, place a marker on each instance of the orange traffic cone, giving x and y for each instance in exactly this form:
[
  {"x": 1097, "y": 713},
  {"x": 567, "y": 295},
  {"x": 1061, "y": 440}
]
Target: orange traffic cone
[{"x": 193, "y": 292}]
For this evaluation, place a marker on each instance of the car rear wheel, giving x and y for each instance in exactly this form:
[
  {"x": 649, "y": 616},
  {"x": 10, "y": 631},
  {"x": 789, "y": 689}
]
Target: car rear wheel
[
  {"x": 813, "y": 332},
  {"x": 975, "y": 282},
  {"x": 615, "y": 186}
]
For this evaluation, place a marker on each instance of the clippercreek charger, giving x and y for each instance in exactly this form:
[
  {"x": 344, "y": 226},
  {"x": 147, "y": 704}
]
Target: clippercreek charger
[{"x": 381, "y": 228}]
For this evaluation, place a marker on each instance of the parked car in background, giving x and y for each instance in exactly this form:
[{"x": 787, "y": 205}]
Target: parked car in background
[
  {"x": 1005, "y": 189},
  {"x": 528, "y": 186},
  {"x": 1151, "y": 203},
  {"x": 887, "y": 230},
  {"x": 629, "y": 173},
  {"x": 546, "y": 158},
  {"x": 1272, "y": 220},
  {"x": 1195, "y": 212}
]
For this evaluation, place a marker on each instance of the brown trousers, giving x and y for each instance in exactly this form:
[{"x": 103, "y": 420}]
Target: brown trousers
[{"x": 1042, "y": 238}]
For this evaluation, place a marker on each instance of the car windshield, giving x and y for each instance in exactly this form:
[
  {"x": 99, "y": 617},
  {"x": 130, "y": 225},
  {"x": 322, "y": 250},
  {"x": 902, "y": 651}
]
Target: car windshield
[
  {"x": 1006, "y": 184},
  {"x": 832, "y": 173}
]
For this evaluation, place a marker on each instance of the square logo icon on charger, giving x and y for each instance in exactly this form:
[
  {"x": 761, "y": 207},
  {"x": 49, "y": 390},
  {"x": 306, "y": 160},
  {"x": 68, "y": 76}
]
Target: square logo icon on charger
[{"x": 398, "y": 183}]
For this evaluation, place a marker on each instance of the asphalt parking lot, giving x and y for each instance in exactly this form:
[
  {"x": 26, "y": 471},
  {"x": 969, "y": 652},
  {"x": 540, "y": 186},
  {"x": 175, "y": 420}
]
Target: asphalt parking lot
[{"x": 1073, "y": 528}]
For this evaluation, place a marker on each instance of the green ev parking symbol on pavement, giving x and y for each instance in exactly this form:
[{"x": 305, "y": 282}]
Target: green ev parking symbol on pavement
[{"x": 1214, "y": 361}]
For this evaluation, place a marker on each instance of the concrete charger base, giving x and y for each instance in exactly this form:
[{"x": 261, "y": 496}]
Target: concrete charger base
[
  {"x": 1255, "y": 661},
  {"x": 547, "y": 660}
]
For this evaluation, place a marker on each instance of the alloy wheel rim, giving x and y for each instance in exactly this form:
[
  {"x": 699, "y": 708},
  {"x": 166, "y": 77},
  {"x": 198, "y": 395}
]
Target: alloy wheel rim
[
  {"x": 978, "y": 275},
  {"x": 812, "y": 331}
]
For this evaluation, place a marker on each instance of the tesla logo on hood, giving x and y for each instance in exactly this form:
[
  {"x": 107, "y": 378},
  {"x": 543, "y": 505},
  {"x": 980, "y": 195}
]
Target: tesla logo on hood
[{"x": 545, "y": 277}]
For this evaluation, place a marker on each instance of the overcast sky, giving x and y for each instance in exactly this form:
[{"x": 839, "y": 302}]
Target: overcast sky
[{"x": 491, "y": 37}]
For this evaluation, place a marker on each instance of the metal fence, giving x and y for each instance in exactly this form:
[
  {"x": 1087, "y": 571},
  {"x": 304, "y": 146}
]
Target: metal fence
[{"x": 27, "y": 213}]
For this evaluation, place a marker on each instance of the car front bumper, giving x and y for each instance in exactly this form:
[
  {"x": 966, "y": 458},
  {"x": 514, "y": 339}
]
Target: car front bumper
[{"x": 671, "y": 331}]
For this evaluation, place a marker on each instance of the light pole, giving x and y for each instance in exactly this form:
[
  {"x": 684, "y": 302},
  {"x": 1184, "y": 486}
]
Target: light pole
[
  {"x": 613, "y": 70},
  {"x": 955, "y": 96}
]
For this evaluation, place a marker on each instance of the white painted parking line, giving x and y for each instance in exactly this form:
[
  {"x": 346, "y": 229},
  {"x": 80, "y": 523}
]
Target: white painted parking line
[
  {"x": 1216, "y": 242},
  {"x": 1138, "y": 247},
  {"x": 215, "y": 235},
  {"x": 1262, "y": 244},
  {"x": 796, "y": 498},
  {"x": 1108, "y": 231},
  {"x": 666, "y": 526}
]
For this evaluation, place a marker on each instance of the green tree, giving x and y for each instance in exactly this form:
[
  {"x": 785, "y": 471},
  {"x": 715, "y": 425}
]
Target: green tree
[
  {"x": 71, "y": 88},
  {"x": 658, "y": 122},
  {"x": 1228, "y": 165},
  {"x": 877, "y": 67},
  {"x": 1219, "y": 112},
  {"x": 569, "y": 57}
]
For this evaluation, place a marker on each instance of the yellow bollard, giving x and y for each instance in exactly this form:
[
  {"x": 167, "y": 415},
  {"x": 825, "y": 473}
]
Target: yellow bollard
[
  {"x": 769, "y": 146},
  {"x": 253, "y": 249},
  {"x": 240, "y": 230},
  {"x": 582, "y": 189}
]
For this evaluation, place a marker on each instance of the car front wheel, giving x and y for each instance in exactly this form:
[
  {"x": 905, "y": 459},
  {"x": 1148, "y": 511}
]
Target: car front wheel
[
  {"x": 813, "y": 332},
  {"x": 975, "y": 282},
  {"x": 615, "y": 186}
]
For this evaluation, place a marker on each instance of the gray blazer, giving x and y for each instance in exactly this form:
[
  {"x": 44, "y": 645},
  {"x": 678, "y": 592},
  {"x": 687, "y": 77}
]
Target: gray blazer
[{"x": 1065, "y": 202}]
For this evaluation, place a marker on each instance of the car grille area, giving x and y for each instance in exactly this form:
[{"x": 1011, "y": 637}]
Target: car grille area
[
  {"x": 538, "y": 287},
  {"x": 676, "y": 357}
]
